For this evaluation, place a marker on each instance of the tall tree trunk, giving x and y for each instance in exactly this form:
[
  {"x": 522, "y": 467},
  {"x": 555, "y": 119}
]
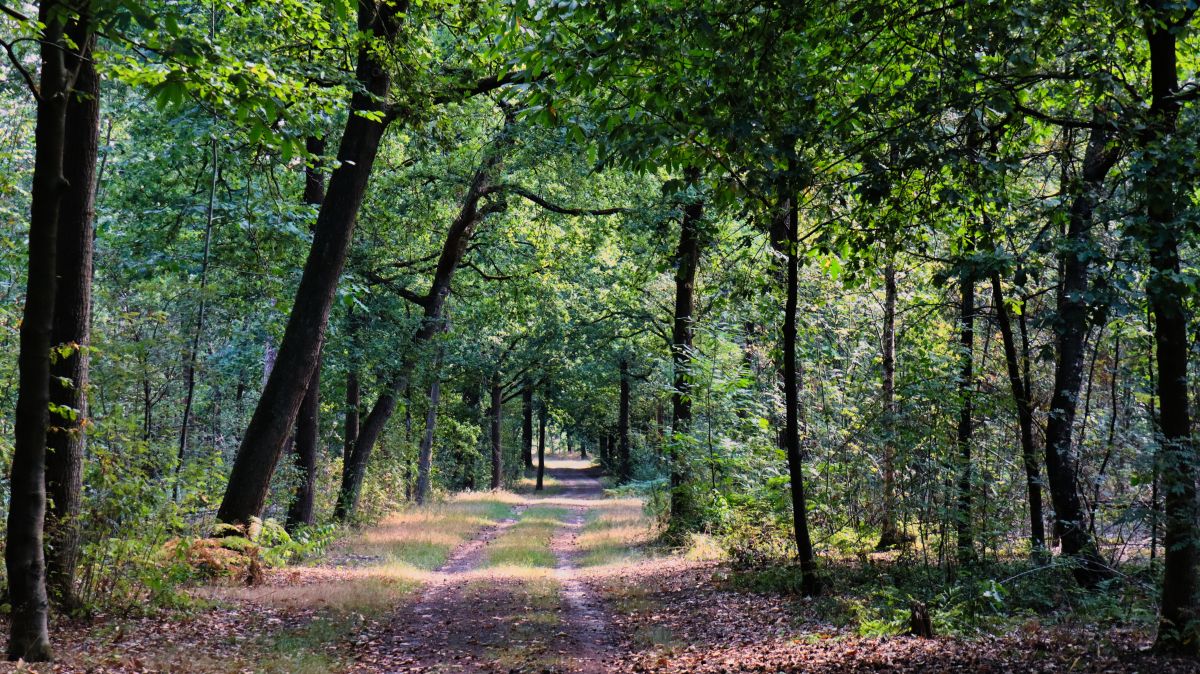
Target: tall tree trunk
[
  {"x": 495, "y": 414},
  {"x": 687, "y": 264},
  {"x": 425, "y": 454},
  {"x": 276, "y": 411},
  {"x": 541, "y": 449},
  {"x": 966, "y": 384},
  {"x": 624, "y": 460},
  {"x": 458, "y": 237},
  {"x": 1021, "y": 398},
  {"x": 193, "y": 355},
  {"x": 24, "y": 553},
  {"x": 527, "y": 425},
  {"x": 890, "y": 536},
  {"x": 307, "y": 439},
  {"x": 1179, "y": 616},
  {"x": 1068, "y": 367},
  {"x": 72, "y": 318},
  {"x": 791, "y": 396}
]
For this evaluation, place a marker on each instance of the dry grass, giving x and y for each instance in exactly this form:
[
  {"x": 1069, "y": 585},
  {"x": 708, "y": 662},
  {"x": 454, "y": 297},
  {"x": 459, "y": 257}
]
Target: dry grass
[
  {"x": 423, "y": 538},
  {"x": 527, "y": 543},
  {"x": 617, "y": 530}
]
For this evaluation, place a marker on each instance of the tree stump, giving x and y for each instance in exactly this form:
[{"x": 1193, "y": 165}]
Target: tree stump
[{"x": 919, "y": 624}]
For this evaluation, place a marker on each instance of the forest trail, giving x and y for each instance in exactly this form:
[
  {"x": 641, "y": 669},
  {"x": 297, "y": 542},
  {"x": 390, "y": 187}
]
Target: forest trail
[
  {"x": 501, "y": 603},
  {"x": 565, "y": 581}
]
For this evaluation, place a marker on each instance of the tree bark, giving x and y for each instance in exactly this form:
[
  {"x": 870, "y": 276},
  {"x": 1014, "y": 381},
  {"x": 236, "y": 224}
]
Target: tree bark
[
  {"x": 966, "y": 383},
  {"x": 287, "y": 385},
  {"x": 1179, "y": 614},
  {"x": 1021, "y": 398},
  {"x": 527, "y": 425},
  {"x": 425, "y": 454},
  {"x": 495, "y": 415},
  {"x": 890, "y": 536},
  {"x": 72, "y": 318},
  {"x": 1068, "y": 367},
  {"x": 810, "y": 582},
  {"x": 624, "y": 460},
  {"x": 307, "y": 438},
  {"x": 687, "y": 264},
  {"x": 24, "y": 553}
]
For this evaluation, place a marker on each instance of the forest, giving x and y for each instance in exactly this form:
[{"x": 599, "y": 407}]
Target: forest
[{"x": 600, "y": 335}]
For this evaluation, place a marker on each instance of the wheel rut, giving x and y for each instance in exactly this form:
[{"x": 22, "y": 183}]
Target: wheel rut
[{"x": 470, "y": 617}]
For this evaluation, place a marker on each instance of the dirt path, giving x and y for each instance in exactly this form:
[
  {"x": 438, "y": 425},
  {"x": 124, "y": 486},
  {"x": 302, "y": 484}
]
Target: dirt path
[{"x": 477, "y": 614}]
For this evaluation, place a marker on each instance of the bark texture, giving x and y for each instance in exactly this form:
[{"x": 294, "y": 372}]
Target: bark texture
[
  {"x": 24, "y": 553},
  {"x": 72, "y": 319},
  {"x": 275, "y": 414}
]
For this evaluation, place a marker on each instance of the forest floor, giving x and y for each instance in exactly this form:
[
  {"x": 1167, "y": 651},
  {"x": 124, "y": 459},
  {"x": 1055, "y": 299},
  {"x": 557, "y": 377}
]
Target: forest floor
[{"x": 564, "y": 581}]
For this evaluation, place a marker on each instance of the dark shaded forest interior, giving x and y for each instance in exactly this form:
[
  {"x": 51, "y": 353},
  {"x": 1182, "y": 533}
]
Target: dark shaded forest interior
[{"x": 579, "y": 336}]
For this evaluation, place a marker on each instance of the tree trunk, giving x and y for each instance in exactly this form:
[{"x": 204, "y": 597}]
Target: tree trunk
[
  {"x": 72, "y": 319},
  {"x": 890, "y": 536},
  {"x": 687, "y": 263},
  {"x": 624, "y": 460},
  {"x": 1037, "y": 532},
  {"x": 527, "y": 425},
  {"x": 307, "y": 439},
  {"x": 193, "y": 355},
  {"x": 1068, "y": 367},
  {"x": 810, "y": 582},
  {"x": 23, "y": 555},
  {"x": 966, "y": 427},
  {"x": 425, "y": 455},
  {"x": 495, "y": 414},
  {"x": 276, "y": 411},
  {"x": 458, "y": 237},
  {"x": 353, "y": 400},
  {"x": 1179, "y": 616},
  {"x": 541, "y": 450}
]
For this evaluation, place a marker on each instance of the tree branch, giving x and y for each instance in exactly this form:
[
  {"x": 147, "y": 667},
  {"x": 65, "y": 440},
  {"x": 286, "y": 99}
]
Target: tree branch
[{"x": 564, "y": 210}]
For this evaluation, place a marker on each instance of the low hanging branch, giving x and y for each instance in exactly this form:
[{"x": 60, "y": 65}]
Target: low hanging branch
[{"x": 564, "y": 210}]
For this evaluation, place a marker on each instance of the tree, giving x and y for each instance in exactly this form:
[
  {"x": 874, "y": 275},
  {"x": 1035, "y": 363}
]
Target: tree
[
  {"x": 287, "y": 385},
  {"x": 307, "y": 436},
  {"x": 1179, "y": 619},
  {"x": 71, "y": 332},
  {"x": 24, "y": 553}
]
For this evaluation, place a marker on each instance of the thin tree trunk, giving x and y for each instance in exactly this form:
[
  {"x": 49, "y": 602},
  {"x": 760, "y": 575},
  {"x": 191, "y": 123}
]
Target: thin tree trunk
[
  {"x": 1068, "y": 368},
  {"x": 890, "y": 535},
  {"x": 1179, "y": 614},
  {"x": 307, "y": 438},
  {"x": 1033, "y": 480},
  {"x": 425, "y": 455},
  {"x": 541, "y": 448},
  {"x": 966, "y": 383},
  {"x": 24, "y": 553},
  {"x": 72, "y": 319},
  {"x": 527, "y": 425},
  {"x": 495, "y": 414},
  {"x": 687, "y": 264},
  {"x": 810, "y": 582},
  {"x": 275, "y": 414},
  {"x": 624, "y": 460},
  {"x": 189, "y": 368}
]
